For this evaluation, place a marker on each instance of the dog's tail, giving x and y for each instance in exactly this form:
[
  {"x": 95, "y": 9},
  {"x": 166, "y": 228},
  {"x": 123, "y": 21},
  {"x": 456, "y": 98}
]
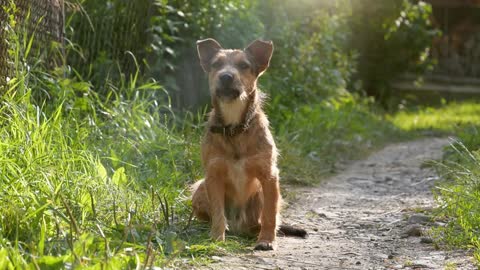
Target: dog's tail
[{"x": 289, "y": 230}]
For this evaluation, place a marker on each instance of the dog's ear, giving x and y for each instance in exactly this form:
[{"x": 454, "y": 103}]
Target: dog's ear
[
  {"x": 207, "y": 48},
  {"x": 261, "y": 52}
]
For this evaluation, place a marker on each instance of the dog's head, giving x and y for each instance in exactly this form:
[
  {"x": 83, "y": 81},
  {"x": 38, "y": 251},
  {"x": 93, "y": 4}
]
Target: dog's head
[{"x": 233, "y": 74}]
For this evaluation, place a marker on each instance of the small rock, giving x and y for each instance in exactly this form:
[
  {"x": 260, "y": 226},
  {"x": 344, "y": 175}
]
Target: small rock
[
  {"x": 426, "y": 240},
  {"x": 419, "y": 266},
  {"x": 315, "y": 229},
  {"x": 323, "y": 214},
  {"x": 390, "y": 256},
  {"x": 439, "y": 224},
  {"x": 419, "y": 219},
  {"x": 382, "y": 256},
  {"x": 358, "y": 263},
  {"x": 267, "y": 261},
  {"x": 414, "y": 230},
  {"x": 216, "y": 258},
  {"x": 360, "y": 238},
  {"x": 352, "y": 226}
]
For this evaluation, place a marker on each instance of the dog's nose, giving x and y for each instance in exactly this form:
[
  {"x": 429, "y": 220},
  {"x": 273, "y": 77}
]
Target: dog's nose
[{"x": 226, "y": 79}]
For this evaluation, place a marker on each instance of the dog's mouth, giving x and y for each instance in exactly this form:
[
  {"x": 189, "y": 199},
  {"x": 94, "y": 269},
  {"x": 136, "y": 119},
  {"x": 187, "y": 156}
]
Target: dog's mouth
[{"x": 227, "y": 93}]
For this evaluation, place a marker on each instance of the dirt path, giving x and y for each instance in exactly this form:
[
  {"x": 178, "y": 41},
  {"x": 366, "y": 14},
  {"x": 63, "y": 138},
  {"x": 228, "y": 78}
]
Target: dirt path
[{"x": 360, "y": 219}]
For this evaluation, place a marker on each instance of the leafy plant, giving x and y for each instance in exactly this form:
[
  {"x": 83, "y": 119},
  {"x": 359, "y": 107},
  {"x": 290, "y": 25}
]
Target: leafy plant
[
  {"x": 311, "y": 62},
  {"x": 392, "y": 37}
]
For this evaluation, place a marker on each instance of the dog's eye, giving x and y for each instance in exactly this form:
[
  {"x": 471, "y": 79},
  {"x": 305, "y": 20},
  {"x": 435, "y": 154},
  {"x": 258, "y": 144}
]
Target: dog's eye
[
  {"x": 217, "y": 64},
  {"x": 243, "y": 65}
]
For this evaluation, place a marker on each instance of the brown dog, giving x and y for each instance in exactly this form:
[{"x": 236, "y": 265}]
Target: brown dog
[{"x": 239, "y": 155}]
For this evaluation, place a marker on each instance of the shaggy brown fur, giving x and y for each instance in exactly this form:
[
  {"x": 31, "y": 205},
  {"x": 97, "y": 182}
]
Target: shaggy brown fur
[{"x": 239, "y": 155}]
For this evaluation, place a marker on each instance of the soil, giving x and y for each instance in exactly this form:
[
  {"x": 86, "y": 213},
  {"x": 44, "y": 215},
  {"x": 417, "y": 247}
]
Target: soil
[{"x": 373, "y": 215}]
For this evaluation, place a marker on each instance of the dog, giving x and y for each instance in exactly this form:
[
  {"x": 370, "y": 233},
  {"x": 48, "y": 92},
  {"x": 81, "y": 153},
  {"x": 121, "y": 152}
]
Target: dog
[{"x": 240, "y": 191}]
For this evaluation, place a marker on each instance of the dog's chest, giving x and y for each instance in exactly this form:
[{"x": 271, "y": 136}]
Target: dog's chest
[
  {"x": 238, "y": 176},
  {"x": 232, "y": 112}
]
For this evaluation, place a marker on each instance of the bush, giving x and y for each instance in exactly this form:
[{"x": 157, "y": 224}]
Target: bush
[
  {"x": 392, "y": 37},
  {"x": 311, "y": 62}
]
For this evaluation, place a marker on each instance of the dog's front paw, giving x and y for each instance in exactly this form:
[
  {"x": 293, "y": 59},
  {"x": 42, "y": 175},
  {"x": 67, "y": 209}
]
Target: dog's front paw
[
  {"x": 218, "y": 236},
  {"x": 264, "y": 245}
]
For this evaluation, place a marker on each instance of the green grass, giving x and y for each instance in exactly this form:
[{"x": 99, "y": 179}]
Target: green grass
[
  {"x": 459, "y": 198},
  {"x": 458, "y": 194},
  {"x": 449, "y": 118},
  {"x": 316, "y": 138}
]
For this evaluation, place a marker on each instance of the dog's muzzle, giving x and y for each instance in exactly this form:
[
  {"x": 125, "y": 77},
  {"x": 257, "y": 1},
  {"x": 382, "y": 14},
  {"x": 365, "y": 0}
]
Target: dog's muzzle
[
  {"x": 227, "y": 93},
  {"x": 226, "y": 87}
]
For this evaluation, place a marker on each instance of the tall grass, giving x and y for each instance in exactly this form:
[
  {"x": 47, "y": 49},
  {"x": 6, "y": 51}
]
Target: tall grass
[
  {"x": 90, "y": 180},
  {"x": 317, "y": 139},
  {"x": 87, "y": 187},
  {"x": 459, "y": 198}
]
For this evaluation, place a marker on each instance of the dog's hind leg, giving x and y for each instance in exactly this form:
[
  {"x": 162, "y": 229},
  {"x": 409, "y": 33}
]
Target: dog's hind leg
[{"x": 200, "y": 203}]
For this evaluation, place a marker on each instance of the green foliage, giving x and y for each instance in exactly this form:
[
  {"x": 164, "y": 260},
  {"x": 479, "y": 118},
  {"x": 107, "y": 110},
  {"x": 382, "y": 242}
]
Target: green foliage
[
  {"x": 459, "y": 198},
  {"x": 412, "y": 26},
  {"x": 93, "y": 186},
  {"x": 175, "y": 29},
  {"x": 160, "y": 35},
  {"x": 90, "y": 180},
  {"x": 316, "y": 120},
  {"x": 336, "y": 130},
  {"x": 392, "y": 37},
  {"x": 102, "y": 32},
  {"x": 311, "y": 62}
]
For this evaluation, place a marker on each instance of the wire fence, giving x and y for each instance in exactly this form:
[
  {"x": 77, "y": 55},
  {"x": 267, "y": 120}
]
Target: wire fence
[{"x": 43, "y": 18}]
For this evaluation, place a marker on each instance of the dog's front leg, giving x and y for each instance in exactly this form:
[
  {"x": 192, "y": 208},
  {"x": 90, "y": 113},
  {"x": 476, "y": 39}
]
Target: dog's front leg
[
  {"x": 270, "y": 212},
  {"x": 215, "y": 184}
]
